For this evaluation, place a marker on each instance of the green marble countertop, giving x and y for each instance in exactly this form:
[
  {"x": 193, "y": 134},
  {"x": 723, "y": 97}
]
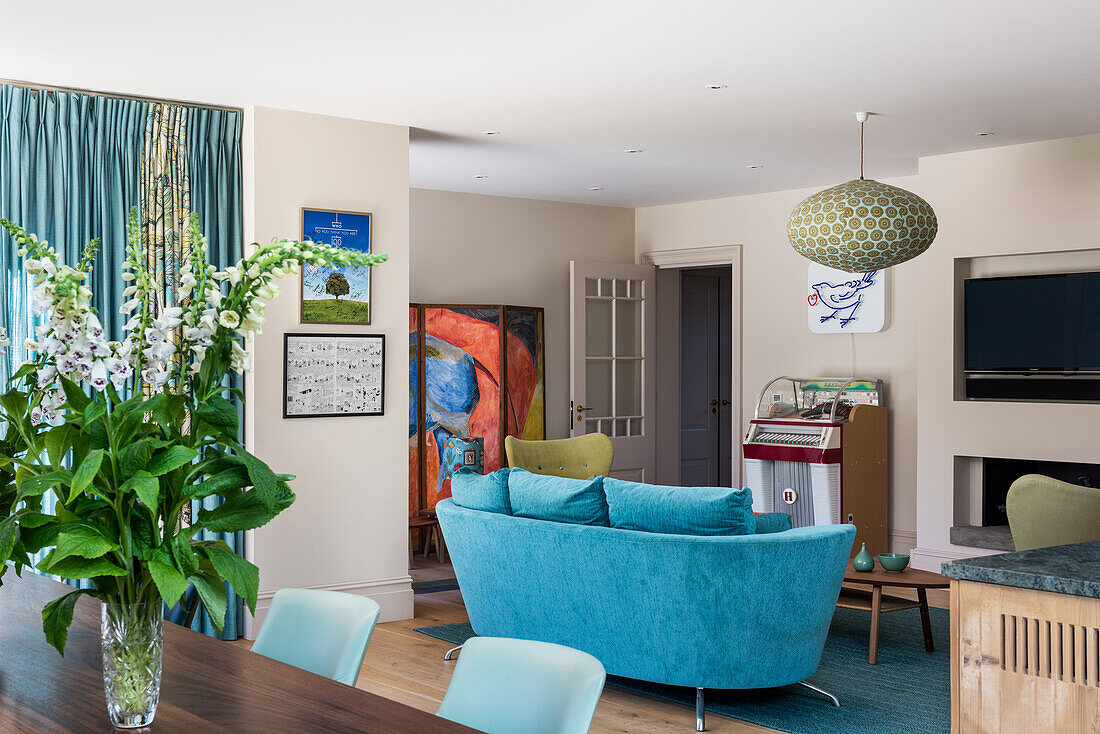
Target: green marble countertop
[{"x": 1062, "y": 569}]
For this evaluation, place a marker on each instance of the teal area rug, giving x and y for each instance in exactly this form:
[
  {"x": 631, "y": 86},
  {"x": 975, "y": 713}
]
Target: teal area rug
[
  {"x": 431, "y": 587},
  {"x": 908, "y": 691}
]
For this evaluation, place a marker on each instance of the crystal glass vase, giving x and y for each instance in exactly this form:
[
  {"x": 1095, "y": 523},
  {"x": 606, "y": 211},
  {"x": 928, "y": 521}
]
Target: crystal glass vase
[{"x": 133, "y": 641}]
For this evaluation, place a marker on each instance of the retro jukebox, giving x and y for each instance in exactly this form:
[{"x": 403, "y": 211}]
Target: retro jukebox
[{"x": 817, "y": 450}]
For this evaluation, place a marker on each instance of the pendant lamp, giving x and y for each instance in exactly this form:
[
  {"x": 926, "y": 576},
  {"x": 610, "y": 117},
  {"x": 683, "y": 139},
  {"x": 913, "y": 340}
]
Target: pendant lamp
[{"x": 862, "y": 225}]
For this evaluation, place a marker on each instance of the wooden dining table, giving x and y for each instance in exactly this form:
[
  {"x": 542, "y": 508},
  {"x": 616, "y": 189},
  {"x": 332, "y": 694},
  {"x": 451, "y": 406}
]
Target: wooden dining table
[{"x": 207, "y": 685}]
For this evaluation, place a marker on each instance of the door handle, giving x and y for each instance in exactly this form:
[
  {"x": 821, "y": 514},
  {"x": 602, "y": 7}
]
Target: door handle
[
  {"x": 726, "y": 402},
  {"x": 714, "y": 405},
  {"x": 714, "y": 401},
  {"x": 580, "y": 412}
]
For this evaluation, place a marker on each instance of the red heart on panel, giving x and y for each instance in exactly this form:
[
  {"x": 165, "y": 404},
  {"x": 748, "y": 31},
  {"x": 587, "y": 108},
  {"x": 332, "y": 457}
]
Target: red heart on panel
[{"x": 812, "y": 299}]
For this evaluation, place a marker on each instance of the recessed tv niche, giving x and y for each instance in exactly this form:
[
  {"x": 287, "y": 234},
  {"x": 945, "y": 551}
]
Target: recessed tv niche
[{"x": 1047, "y": 324}]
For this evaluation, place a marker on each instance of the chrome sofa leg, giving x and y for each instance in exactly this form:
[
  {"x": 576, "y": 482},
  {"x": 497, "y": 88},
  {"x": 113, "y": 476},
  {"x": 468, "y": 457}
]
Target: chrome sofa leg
[
  {"x": 700, "y": 711},
  {"x": 822, "y": 691},
  {"x": 448, "y": 655}
]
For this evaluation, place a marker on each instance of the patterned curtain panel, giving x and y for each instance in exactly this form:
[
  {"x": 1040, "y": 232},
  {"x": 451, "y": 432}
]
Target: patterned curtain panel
[
  {"x": 71, "y": 167},
  {"x": 166, "y": 197}
]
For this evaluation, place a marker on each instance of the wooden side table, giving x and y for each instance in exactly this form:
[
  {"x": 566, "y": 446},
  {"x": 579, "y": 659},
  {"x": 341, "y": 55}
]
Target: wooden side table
[
  {"x": 875, "y": 602},
  {"x": 428, "y": 526}
]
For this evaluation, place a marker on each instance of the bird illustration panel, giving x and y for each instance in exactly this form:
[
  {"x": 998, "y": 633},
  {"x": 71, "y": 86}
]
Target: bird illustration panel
[{"x": 847, "y": 303}]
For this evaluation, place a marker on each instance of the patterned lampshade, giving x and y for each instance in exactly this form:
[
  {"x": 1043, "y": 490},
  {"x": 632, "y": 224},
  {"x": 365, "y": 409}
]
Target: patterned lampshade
[{"x": 862, "y": 225}]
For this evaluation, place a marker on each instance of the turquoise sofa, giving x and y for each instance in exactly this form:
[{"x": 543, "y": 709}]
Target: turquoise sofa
[{"x": 714, "y": 611}]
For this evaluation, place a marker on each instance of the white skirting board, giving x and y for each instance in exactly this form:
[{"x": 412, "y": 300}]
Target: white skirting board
[
  {"x": 931, "y": 559},
  {"x": 393, "y": 594}
]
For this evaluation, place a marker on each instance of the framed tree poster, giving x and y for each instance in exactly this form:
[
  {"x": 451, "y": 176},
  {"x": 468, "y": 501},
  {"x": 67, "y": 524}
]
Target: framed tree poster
[{"x": 335, "y": 294}]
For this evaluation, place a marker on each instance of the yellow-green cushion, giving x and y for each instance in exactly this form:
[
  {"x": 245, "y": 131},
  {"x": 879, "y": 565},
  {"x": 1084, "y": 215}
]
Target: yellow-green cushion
[{"x": 576, "y": 458}]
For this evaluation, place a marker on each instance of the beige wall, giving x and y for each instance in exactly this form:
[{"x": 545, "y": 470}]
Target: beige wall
[
  {"x": 1035, "y": 198},
  {"x": 1039, "y": 197},
  {"x": 347, "y": 529},
  {"x": 775, "y": 338},
  {"x": 469, "y": 248}
]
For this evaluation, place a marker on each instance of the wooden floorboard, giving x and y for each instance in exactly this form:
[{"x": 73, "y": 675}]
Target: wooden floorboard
[{"x": 407, "y": 666}]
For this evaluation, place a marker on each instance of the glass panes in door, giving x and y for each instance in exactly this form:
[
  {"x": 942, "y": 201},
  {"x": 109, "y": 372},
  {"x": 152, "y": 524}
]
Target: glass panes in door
[{"x": 613, "y": 317}]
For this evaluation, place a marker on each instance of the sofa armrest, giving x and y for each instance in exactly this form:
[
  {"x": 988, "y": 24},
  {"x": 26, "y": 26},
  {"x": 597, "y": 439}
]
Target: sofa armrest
[{"x": 772, "y": 522}]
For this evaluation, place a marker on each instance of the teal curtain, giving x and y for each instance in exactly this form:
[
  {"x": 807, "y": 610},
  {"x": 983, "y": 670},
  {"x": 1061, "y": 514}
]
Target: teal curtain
[
  {"x": 69, "y": 171},
  {"x": 214, "y": 169}
]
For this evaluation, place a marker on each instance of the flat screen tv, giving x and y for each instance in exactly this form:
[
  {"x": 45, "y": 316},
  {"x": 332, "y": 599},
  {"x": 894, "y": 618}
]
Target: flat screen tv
[{"x": 1033, "y": 323}]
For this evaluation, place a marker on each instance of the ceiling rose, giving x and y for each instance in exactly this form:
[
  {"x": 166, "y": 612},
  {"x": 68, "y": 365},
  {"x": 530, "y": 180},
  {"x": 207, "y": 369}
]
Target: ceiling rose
[{"x": 862, "y": 225}]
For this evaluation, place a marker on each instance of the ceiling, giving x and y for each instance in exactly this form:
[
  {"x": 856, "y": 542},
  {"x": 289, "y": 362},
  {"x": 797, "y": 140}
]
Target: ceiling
[{"x": 572, "y": 84}]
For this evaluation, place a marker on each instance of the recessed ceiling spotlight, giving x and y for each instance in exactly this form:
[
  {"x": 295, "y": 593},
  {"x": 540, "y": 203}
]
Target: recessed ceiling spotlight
[
  {"x": 481, "y": 175},
  {"x": 716, "y": 86},
  {"x": 985, "y": 134},
  {"x": 491, "y": 132},
  {"x": 595, "y": 188},
  {"x": 755, "y": 165},
  {"x": 633, "y": 150}
]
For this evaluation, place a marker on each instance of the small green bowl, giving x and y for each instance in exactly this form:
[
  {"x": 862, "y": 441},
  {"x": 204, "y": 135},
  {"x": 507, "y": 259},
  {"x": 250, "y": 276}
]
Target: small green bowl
[{"x": 893, "y": 562}]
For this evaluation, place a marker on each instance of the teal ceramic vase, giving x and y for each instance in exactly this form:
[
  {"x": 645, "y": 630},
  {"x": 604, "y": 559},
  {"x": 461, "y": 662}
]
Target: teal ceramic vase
[{"x": 863, "y": 561}]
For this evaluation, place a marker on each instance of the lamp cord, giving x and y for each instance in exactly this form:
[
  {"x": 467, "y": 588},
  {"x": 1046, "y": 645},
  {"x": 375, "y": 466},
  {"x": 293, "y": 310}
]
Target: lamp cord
[{"x": 861, "y": 151}]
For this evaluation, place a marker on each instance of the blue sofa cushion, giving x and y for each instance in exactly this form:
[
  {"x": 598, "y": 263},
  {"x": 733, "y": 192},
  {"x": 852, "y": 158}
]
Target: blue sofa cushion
[
  {"x": 486, "y": 492},
  {"x": 679, "y": 510},
  {"x": 772, "y": 522},
  {"x": 544, "y": 497}
]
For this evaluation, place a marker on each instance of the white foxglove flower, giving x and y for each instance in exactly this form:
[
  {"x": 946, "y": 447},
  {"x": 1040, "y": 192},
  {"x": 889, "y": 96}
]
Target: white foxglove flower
[
  {"x": 154, "y": 336},
  {"x": 66, "y": 365},
  {"x": 47, "y": 375},
  {"x": 30, "y": 345},
  {"x": 129, "y": 291},
  {"x": 98, "y": 375},
  {"x": 128, "y": 276},
  {"x": 129, "y": 306},
  {"x": 229, "y": 319},
  {"x": 252, "y": 322},
  {"x": 160, "y": 352}
]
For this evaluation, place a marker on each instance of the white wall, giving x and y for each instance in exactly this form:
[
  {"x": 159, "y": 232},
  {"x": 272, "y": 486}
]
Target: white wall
[
  {"x": 1039, "y": 197},
  {"x": 470, "y": 248},
  {"x": 1035, "y": 198},
  {"x": 347, "y": 529},
  {"x": 775, "y": 338}
]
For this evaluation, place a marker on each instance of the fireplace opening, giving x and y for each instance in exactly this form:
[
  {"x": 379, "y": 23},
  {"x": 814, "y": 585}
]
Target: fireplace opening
[
  {"x": 981, "y": 491},
  {"x": 999, "y": 474}
]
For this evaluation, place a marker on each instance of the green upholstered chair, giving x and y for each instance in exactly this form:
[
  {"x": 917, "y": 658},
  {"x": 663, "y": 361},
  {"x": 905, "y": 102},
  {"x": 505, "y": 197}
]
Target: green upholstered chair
[
  {"x": 574, "y": 458},
  {"x": 1043, "y": 512}
]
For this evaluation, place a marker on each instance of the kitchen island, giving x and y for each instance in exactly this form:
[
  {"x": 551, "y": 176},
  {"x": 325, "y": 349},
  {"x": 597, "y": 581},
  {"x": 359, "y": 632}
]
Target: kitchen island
[{"x": 1025, "y": 641}]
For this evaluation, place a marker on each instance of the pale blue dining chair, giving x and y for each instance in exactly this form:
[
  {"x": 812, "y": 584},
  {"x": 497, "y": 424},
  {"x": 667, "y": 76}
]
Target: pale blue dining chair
[
  {"x": 504, "y": 686},
  {"x": 324, "y": 632}
]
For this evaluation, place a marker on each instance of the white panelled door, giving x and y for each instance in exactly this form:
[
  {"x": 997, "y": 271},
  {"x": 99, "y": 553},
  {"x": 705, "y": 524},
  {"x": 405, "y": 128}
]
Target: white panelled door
[{"x": 613, "y": 328}]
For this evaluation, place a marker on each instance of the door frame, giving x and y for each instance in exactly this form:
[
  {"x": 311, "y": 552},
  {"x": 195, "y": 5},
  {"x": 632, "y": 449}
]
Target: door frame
[{"x": 668, "y": 405}]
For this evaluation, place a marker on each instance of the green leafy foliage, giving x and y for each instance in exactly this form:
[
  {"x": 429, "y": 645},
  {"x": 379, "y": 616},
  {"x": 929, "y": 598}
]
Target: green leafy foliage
[
  {"x": 96, "y": 475},
  {"x": 57, "y": 615}
]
